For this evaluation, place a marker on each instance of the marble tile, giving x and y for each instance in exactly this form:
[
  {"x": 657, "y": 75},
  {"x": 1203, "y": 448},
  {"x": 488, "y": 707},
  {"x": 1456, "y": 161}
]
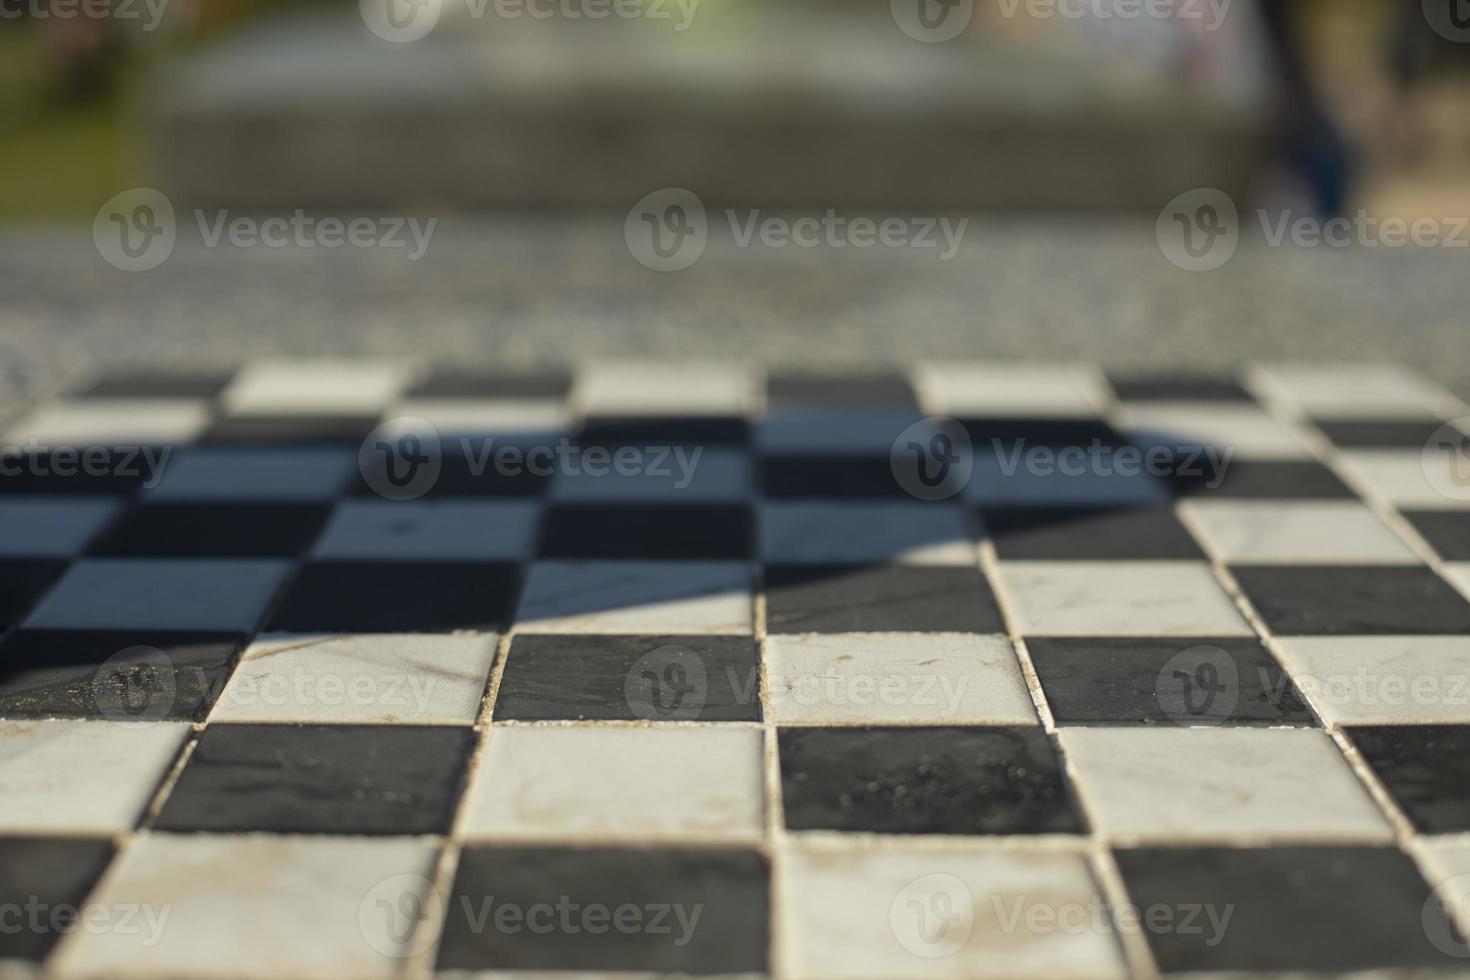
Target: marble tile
[
  {"x": 1177, "y": 387},
  {"x": 256, "y": 473},
  {"x": 82, "y": 777},
  {"x": 1409, "y": 478},
  {"x": 51, "y": 527},
  {"x": 866, "y": 431},
  {"x": 224, "y": 594},
  {"x": 1057, "y": 598},
  {"x": 896, "y": 678},
  {"x": 437, "y": 530},
  {"x": 953, "y": 912},
  {"x": 1347, "y": 391},
  {"x": 634, "y": 784},
  {"x": 1218, "y": 784},
  {"x": 1447, "y": 531},
  {"x": 398, "y": 597},
  {"x": 675, "y": 388},
  {"x": 85, "y": 424},
  {"x": 1307, "y": 600},
  {"x": 1083, "y": 534},
  {"x": 215, "y": 530},
  {"x": 44, "y": 873},
  {"x": 1000, "y": 479},
  {"x": 685, "y": 532},
  {"x": 835, "y": 532},
  {"x": 1425, "y": 768},
  {"x": 972, "y": 389},
  {"x": 695, "y": 475},
  {"x": 305, "y": 387},
  {"x": 879, "y": 598},
  {"x": 1382, "y": 680},
  {"x": 362, "y": 679},
  {"x": 637, "y": 596},
  {"x": 1247, "y": 431},
  {"x": 1285, "y": 532}
]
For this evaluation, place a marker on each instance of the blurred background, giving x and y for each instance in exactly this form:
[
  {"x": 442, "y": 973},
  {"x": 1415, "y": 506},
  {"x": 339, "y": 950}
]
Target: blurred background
[{"x": 531, "y": 126}]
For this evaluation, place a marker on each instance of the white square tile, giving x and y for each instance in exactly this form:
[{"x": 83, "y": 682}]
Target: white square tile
[
  {"x": 1136, "y": 598},
  {"x": 82, "y": 777},
  {"x": 1246, "y": 431},
  {"x": 359, "y": 679},
  {"x": 256, "y": 906},
  {"x": 51, "y": 527},
  {"x": 682, "y": 475},
  {"x": 277, "y": 474},
  {"x": 844, "y": 531},
  {"x": 854, "y": 914},
  {"x": 108, "y": 423},
  {"x": 637, "y": 597},
  {"x": 896, "y": 678},
  {"x": 618, "y": 783},
  {"x": 1210, "y": 784},
  {"x": 487, "y": 423},
  {"x": 1409, "y": 478},
  {"x": 870, "y": 432},
  {"x": 664, "y": 388},
  {"x": 1382, "y": 680},
  {"x": 429, "y": 530},
  {"x": 303, "y": 387},
  {"x": 165, "y": 594},
  {"x": 997, "y": 389},
  {"x": 1346, "y": 391},
  {"x": 1322, "y": 532},
  {"x": 1004, "y": 478}
]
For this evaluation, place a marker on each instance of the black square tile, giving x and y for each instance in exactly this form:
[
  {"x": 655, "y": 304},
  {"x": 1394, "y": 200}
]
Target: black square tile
[
  {"x": 1178, "y": 388},
  {"x": 97, "y": 471},
  {"x": 157, "y": 385},
  {"x": 924, "y": 781},
  {"x": 879, "y": 598},
  {"x": 1385, "y": 434},
  {"x": 685, "y": 911},
  {"x": 237, "y": 530},
  {"x": 1289, "y": 908},
  {"x": 648, "y": 532},
  {"x": 1194, "y": 473},
  {"x": 461, "y": 474},
  {"x": 51, "y": 876},
  {"x": 114, "y": 675},
  {"x": 398, "y": 597},
  {"x": 455, "y": 383},
  {"x": 320, "y": 779},
  {"x": 627, "y": 678},
  {"x": 1306, "y": 600},
  {"x": 1447, "y": 531},
  {"x": 1426, "y": 768},
  {"x": 1155, "y": 681},
  {"x": 1038, "y": 533},
  {"x": 615, "y": 431},
  {"x": 22, "y": 581},
  {"x": 343, "y": 430},
  {"x": 1010, "y": 434},
  {"x": 830, "y": 478},
  {"x": 797, "y": 390}
]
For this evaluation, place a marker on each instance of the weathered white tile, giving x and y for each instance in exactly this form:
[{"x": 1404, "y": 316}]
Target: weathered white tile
[
  {"x": 82, "y": 777},
  {"x": 226, "y": 594},
  {"x": 1323, "y": 532},
  {"x": 1345, "y": 391},
  {"x": 1246, "y": 431},
  {"x": 886, "y": 678},
  {"x": 1136, "y": 598},
  {"x": 257, "y": 906},
  {"x": 624, "y": 783},
  {"x": 1382, "y": 680},
  {"x": 636, "y": 597},
  {"x": 304, "y": 387},
  {"x": 680, "y": 475},
  {"x": 672, "y": 388},
  {"x": 51, "y": 527},
  {"x": 1003, "y": 389},
  {"x": 843, "y": 531},
  {"x": 360, "y": 679},
  {"x": 429, "y": 530},
  {"x": 1198, "y": 784},
  {"x": 860, "y": 431},
  {"x": 1409, "y": 478},
  {"x": 108, "y": 423},
  {"x": 944, "y": 913},
  {"x": 285, "y": 473}
]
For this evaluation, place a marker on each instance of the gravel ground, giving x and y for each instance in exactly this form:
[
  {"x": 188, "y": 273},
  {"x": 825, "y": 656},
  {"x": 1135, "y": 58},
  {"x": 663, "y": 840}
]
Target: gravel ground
[{"x": 525, "y": 290}]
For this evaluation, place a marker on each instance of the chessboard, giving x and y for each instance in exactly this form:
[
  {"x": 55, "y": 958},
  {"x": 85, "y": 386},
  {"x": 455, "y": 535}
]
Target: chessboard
[{"x": 374, "y": 668}]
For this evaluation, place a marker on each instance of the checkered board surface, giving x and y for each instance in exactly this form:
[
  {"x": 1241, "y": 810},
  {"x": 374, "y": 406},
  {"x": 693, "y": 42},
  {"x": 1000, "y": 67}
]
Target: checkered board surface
[{"x": 323, "y": 693}]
